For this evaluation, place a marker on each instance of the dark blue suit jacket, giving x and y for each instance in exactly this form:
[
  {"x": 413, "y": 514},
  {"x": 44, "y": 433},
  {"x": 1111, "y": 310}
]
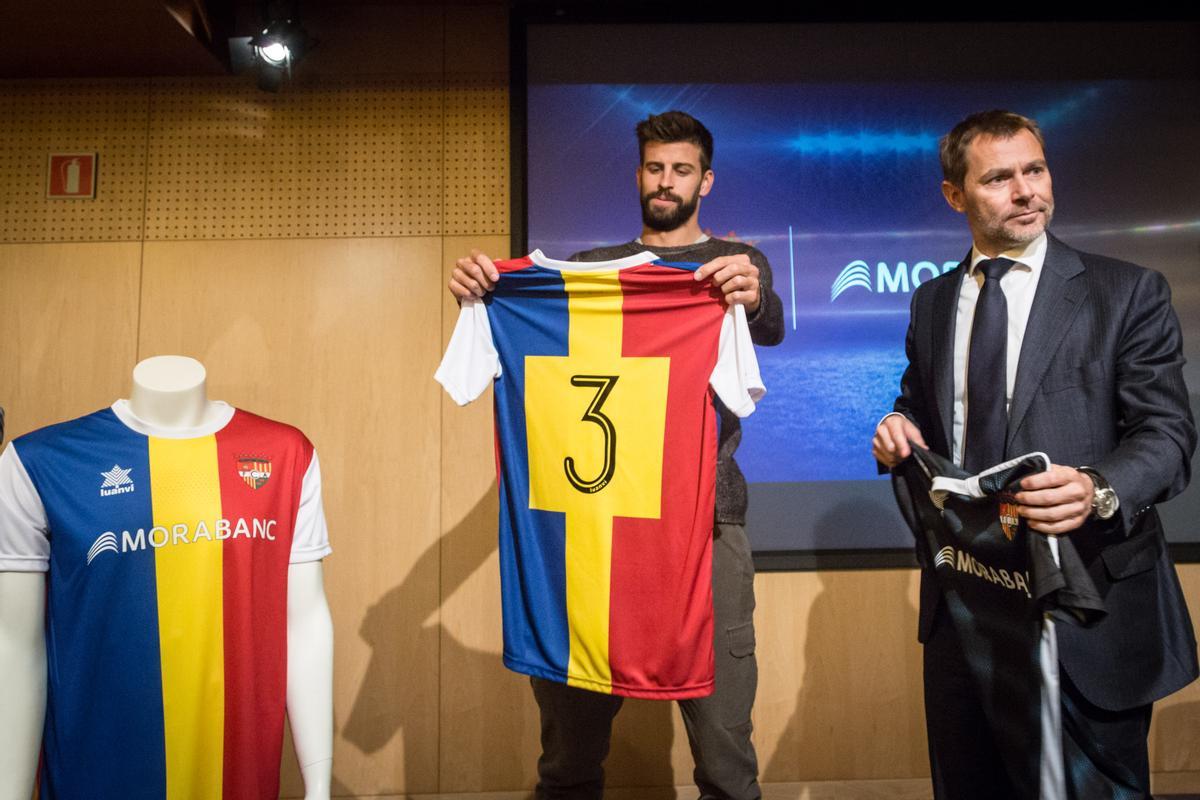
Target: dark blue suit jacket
[{"x": 1099, "y": 383}]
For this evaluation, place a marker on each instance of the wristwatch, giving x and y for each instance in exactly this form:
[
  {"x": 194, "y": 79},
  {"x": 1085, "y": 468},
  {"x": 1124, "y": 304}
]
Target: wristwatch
[{"x": 1104, "y": 500}]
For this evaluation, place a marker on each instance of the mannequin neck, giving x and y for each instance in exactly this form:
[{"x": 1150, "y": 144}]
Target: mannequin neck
[{"x": 171, "y": 392}]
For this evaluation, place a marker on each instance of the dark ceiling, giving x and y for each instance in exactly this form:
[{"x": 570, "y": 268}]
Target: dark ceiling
[
  {"x": 141, "y": 38},
  {"x": 97, "y": 38}
]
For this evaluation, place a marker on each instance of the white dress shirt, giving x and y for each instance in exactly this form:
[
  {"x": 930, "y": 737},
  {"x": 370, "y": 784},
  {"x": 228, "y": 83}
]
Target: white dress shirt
[{"x": 1019, "y": 285}]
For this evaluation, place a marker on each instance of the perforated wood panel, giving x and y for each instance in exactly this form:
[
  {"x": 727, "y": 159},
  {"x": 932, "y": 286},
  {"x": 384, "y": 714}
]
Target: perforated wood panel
[
  {"x": 346, "y": 157},
  {"x": 219, "y": 159},
  {"x": 41, "y": 117},
  {"x": 476, "y": 155}
]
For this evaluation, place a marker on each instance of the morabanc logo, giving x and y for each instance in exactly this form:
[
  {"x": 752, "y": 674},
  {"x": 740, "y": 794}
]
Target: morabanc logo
[
  {"x": 962, "y": 561},
  {"x": 255, "y": 470},
  {"x": 212, "y": 530},
  {"x": 105, "y": 541},
  {"x": 886, "y": 279},
  {"x": 116, "y": 481}
]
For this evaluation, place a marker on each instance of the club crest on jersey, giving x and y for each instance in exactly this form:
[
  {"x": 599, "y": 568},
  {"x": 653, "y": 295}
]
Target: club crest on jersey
[
  {"x": 255, "y": 470},
  {"x": 116, "y": 481},
  {"x": 1009, "y": 519}
]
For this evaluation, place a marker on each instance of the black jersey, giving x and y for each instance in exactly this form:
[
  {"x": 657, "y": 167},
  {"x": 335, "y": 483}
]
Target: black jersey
[{"x": 999, "y": 581}]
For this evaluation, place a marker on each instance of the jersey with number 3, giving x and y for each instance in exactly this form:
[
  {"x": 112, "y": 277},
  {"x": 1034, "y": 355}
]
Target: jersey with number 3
[{"x": 606, "y": 457}]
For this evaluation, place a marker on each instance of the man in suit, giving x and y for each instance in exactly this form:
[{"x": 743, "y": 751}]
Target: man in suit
[{"x": 1031, "y": 345}]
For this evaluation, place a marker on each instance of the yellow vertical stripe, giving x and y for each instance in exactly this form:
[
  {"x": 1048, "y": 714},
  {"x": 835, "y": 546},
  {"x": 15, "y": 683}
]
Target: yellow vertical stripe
[
  {"x": 186, "y": 492},
  {"x": 594, "y": 305},
  {"x": 555, "y": 410},
  {"x": 589, "y": 560}
]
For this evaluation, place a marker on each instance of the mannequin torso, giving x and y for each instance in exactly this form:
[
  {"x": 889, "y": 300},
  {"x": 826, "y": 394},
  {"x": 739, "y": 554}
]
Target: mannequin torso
[{"x": 169, "y": 396}]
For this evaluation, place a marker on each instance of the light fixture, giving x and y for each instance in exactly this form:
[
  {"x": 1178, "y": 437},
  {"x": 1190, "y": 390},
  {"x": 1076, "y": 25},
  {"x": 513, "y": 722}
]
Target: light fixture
[
  {"x": 278, "y": 46},
  {"x": 276, "y": 54}
]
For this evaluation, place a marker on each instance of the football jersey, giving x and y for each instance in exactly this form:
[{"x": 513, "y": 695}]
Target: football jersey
[
  {"x": 167, "y": 556},
  {"x": 606, "y": 462},
  {"x": 998, "y": 580}
]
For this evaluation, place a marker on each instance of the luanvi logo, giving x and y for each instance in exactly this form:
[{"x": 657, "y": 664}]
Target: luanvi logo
[
  {"x": 116, "y": 481},
  {"x": 900, "y": 279}
]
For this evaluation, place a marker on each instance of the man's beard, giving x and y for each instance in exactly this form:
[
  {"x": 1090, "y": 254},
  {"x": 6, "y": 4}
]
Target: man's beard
[
  {"x": 1008, "y": 237},
  {"x": 669, "y": 219}
]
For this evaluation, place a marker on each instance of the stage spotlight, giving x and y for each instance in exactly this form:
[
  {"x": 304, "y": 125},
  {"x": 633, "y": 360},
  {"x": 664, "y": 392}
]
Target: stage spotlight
[
  {"x": 282, "y": 43},
  {"x": 273, "y": 52},
  {"x": 276, "y": 54}
]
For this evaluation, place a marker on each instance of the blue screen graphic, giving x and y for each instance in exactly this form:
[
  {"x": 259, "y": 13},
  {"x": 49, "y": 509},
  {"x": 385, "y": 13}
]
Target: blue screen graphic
[{"x": 839, "y": 186}]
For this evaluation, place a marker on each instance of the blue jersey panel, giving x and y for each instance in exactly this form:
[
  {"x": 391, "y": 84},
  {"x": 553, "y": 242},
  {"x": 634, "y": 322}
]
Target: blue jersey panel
[
  {"x": 93, "y": 475},
  {"x": 532, "y": 542}
]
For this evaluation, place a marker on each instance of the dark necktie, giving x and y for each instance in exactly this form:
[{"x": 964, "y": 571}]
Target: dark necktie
[{"x": 987, "y": 371}]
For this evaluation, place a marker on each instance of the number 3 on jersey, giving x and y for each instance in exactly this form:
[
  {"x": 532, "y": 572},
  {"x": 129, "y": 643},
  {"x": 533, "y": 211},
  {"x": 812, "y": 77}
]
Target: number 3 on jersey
[
  {"x": 604, "y": 386},
  {"x": 574, "y": 409}
]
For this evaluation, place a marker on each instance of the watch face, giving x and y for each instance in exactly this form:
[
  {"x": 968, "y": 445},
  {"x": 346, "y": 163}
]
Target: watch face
[
  {"x": 1104, "y": 503},
  {"x": 1104, "y": 499}
]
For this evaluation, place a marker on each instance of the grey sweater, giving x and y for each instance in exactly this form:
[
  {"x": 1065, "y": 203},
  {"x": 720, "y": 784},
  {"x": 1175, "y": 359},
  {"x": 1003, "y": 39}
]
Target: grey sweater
[{"x": 766, "y": 328}]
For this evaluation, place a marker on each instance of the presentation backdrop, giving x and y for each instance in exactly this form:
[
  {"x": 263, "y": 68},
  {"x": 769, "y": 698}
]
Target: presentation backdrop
[{"x": 838, "y": 184}]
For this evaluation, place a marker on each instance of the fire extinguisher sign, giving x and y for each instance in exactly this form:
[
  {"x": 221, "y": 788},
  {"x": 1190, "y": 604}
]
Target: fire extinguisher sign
[{"x": 72, "y": 175}]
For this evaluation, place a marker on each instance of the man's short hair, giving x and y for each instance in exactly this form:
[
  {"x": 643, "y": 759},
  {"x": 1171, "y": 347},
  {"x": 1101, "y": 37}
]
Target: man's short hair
[
  {"x": 676, "y": 126},
  {"x": 952, "y": 149}
]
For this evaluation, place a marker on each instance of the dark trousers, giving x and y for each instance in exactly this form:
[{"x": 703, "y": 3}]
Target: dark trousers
[
  {"x": 963, "y": 759},
  {"x": 577, "y": 724}
]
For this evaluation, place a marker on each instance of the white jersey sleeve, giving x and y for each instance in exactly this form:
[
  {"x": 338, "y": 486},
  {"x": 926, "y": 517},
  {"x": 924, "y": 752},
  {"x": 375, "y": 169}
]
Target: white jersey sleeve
[
  {"x": 471, "y": 362},
  {"x": 735, "y": 378},
  {"x": 24, "y": 528},
  {"x": 310, "y": 538}
]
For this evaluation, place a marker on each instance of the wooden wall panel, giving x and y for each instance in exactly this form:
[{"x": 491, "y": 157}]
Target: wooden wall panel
[
  {"x": 339, "y": 337},
  {"x": 336, "y": 157},
  {"x": 41, "y": 117},
  {"x": 489, "y": 719},
  {"x": 649, "y": 748},
  {"x": 68, "y": 329},
  {"x": 840, "y": 676},
  {"x": 1175, "y": 726},
  {"x": 1186, "y": 784}
]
